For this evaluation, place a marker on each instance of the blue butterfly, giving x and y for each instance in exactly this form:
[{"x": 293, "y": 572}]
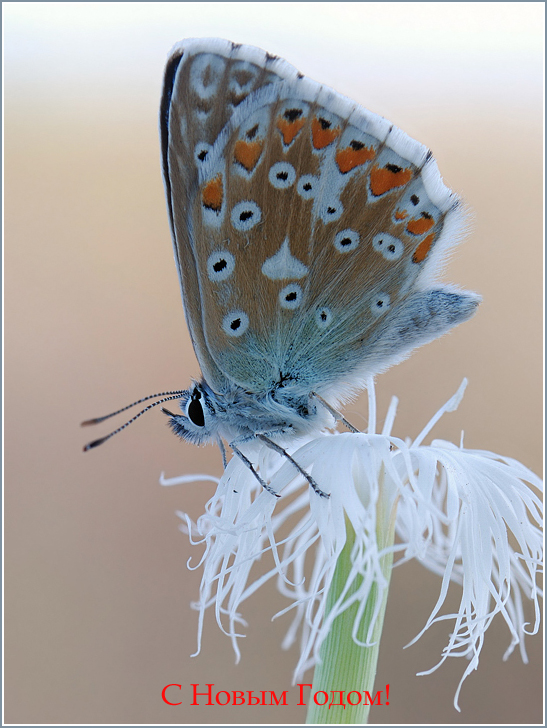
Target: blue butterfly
[{"x": 307, "y": 234}]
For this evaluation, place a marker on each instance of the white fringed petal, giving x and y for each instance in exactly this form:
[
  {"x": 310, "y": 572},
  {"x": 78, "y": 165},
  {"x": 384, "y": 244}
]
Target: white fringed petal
[{"x": 458, "y": 512}]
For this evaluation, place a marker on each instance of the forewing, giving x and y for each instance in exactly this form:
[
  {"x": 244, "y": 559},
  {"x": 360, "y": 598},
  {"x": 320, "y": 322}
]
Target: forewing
[
  {"x": 205, "y": 81},
  {"x": 315, "y": 262}
]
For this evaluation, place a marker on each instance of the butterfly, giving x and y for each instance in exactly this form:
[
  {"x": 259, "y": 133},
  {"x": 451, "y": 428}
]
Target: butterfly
[{"x": 307, "y": 233}]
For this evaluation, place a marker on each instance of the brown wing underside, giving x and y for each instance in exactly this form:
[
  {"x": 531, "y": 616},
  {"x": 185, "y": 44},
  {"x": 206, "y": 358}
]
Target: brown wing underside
[
  {"x": 309, "y": 277},
  {"x": 201, "y": 92}
]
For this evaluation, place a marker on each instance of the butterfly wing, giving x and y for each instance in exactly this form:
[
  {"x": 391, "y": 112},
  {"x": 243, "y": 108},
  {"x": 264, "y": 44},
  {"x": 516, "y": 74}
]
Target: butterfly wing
[
  {"x": 205, "y": 81},
  {"x": 314, "y": 232}
]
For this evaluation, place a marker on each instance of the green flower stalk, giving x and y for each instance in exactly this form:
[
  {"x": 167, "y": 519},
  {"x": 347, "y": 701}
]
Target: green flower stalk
[{"x": 345, "y": 661}]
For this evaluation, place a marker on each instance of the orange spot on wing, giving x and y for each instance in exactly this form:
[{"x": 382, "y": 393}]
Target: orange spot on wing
[
  {"x": 212, "y": 194},
  {"x": 421, "y": 225},
  {"x": 384, "y": 179},
  {"x": 323, "y": 136},
  {"x": 247, "y": 153},
  {"x": 400, "y": 214},
  {"x": 289, "y": 129},
  {"x": 349, "y": 158},
  {"x": 423, "y": 248}
]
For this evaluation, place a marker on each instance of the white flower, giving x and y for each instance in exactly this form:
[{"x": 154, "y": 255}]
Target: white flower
[{"x": 468, "y": 515}]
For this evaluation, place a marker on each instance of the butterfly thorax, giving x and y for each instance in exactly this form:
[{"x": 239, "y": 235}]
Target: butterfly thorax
[{"x": 236, "y": 414}]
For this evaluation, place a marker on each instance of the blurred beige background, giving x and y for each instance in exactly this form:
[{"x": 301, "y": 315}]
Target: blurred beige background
[{"x": 97, "y": 589}]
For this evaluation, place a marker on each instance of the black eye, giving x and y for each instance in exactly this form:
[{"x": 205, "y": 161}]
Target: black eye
[{"x": 195, "y": 413}]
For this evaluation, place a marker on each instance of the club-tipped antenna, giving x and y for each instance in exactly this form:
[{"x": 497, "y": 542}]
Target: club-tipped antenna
[
  {"x": 96, "y": 443},
  {"x": 96, "y": 420}
]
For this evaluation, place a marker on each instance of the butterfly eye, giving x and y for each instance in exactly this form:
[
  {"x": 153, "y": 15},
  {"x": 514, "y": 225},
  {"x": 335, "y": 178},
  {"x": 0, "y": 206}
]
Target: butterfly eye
[
  {"x": 380, "y": 303},
  {"x": 194, "y": 411},
  {"x": 220, "y": 265},
  {"x": 346, "y": 240},
  {"x": 391, "y": 248},
  {"x": 235, "y": 323},
  {"x": 282, "y": 175},
  {"x": 245, "y": 215}
]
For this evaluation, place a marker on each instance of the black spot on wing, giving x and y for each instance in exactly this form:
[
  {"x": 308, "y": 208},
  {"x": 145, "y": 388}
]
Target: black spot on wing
[{"x": 293, "y": 114}]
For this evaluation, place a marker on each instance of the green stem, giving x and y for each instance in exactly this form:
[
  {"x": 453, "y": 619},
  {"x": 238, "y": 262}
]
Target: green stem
[{"x": 346, "y": 666}]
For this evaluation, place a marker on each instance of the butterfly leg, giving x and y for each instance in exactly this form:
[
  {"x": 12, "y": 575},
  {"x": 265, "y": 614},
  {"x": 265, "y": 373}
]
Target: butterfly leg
[
  {"x": 271, "y": 444},
  {"x": 249, "y": 464},
  {"x": 337, "y": 416},
  {"x": 223, "y": 452}
]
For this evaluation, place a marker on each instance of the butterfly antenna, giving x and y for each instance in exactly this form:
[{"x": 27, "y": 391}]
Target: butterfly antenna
[
  {"x": 96, "y": 420},
  {"x": 96, "y": 443}
]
